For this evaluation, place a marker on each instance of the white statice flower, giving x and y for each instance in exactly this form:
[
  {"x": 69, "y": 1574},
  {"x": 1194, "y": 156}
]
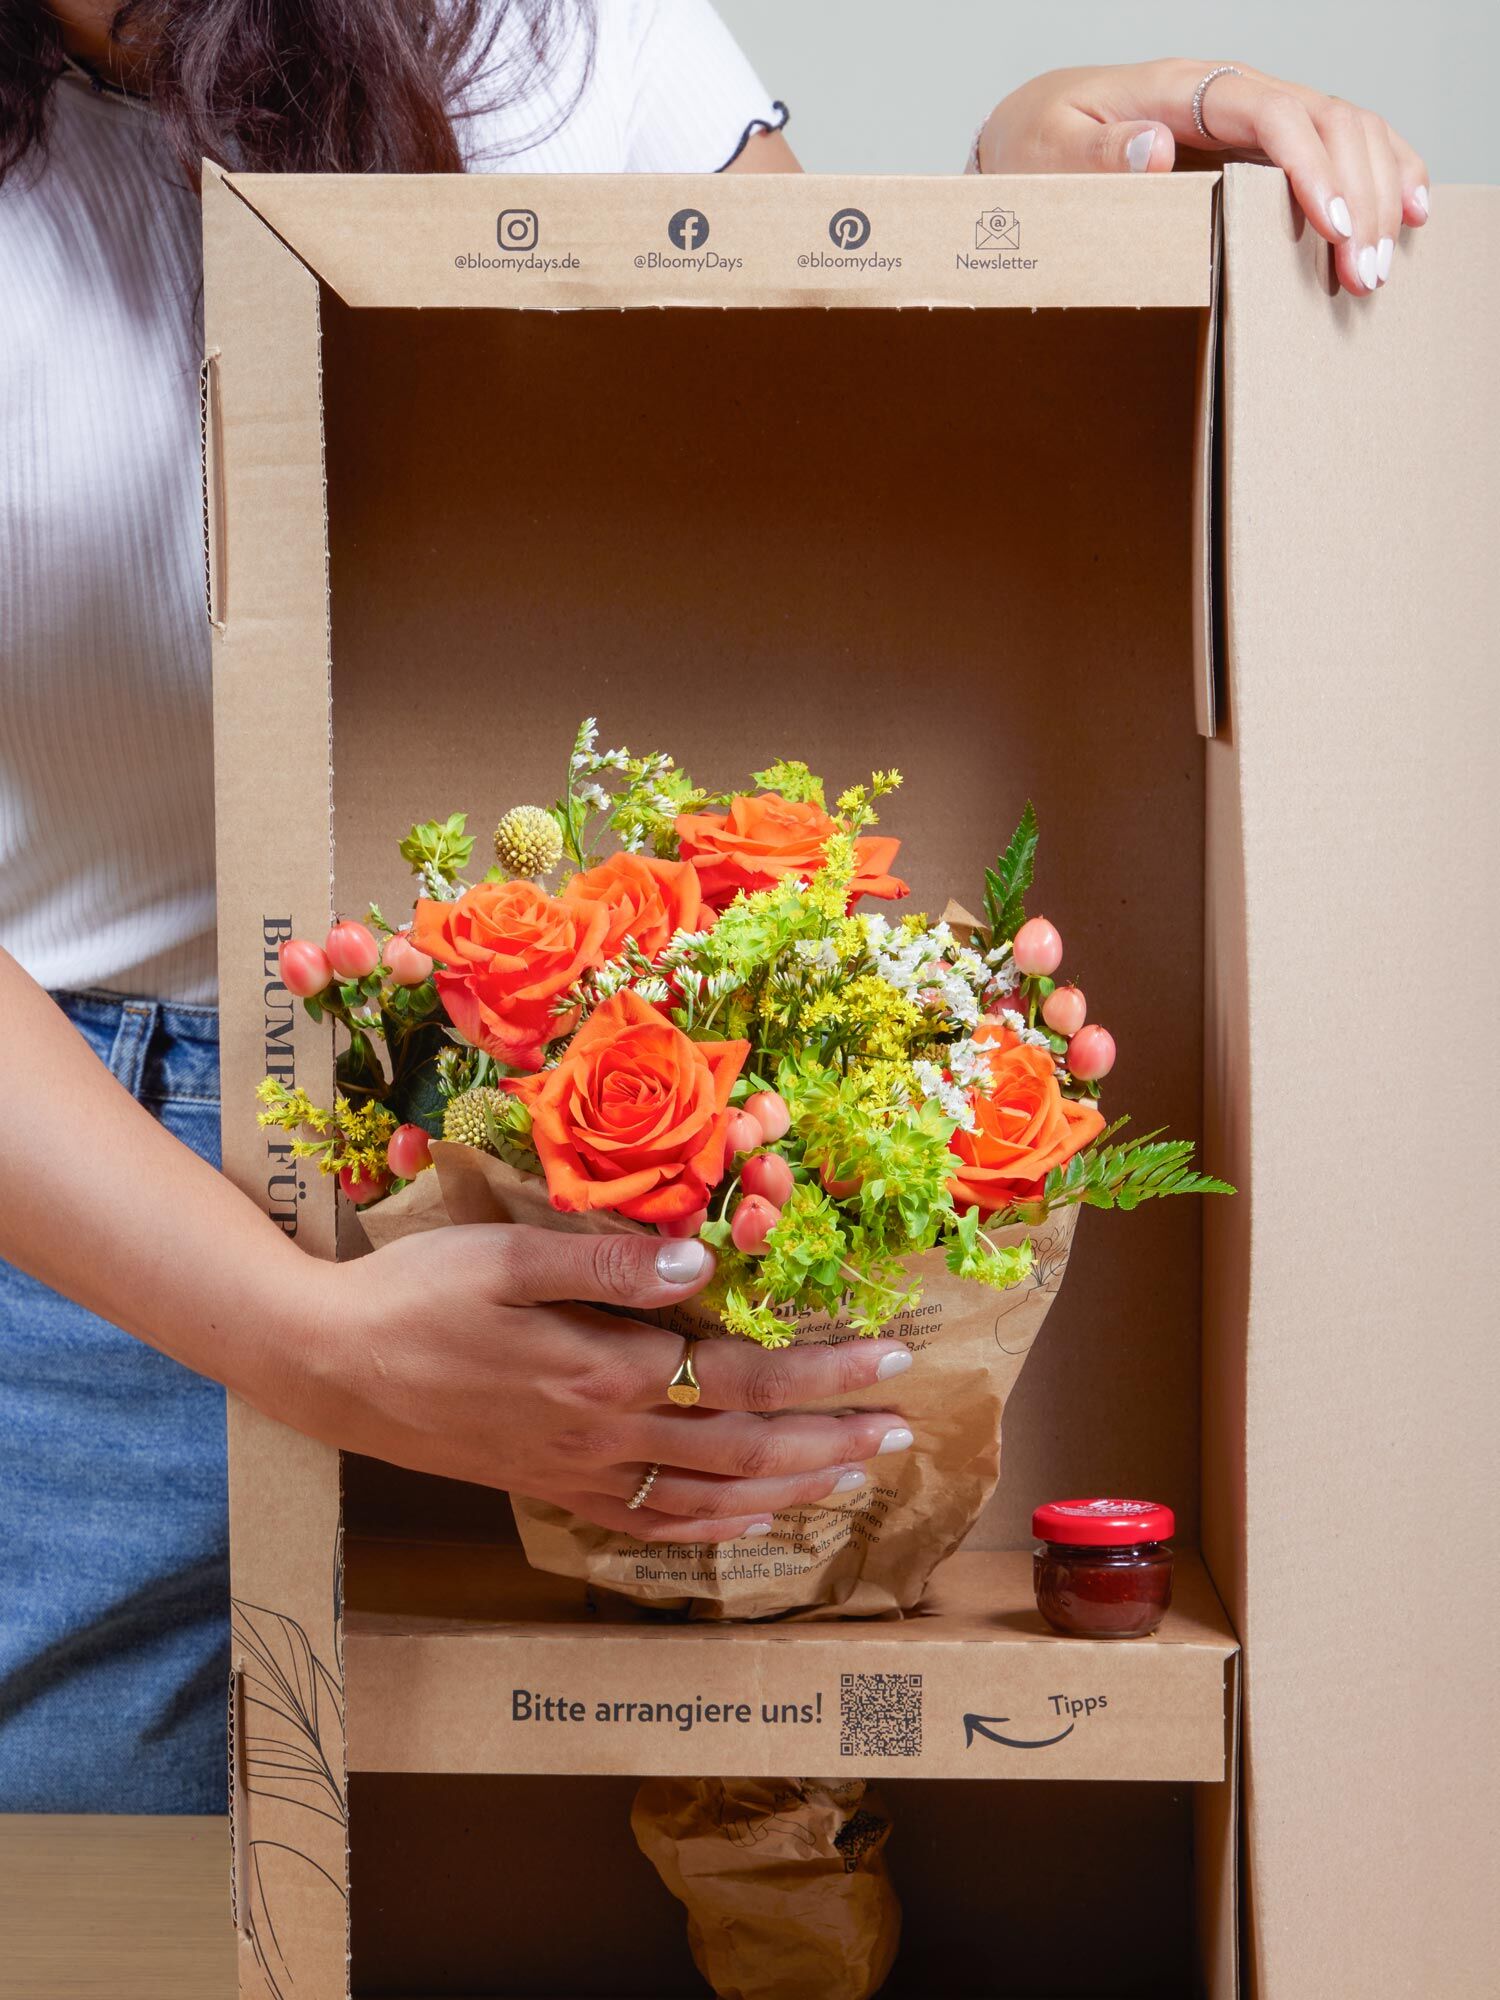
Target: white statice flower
[
  {"x": 954, "y": 1102},
  {"x": 611, "y": 760},
  {"x": 594, "y": 795},
  {"x": 960, "y": 999},
  {"x": 970, "y": 967},
  {"x": 633, "y": 841},
  {"x": 817, "y": 952},
  {"x": 970, "y": 1063},
  {"x": 1034, "y": 1038}
]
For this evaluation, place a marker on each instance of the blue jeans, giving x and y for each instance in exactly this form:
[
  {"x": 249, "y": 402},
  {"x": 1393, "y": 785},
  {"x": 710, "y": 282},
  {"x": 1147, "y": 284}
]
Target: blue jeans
[{"x": 114, "y": 1566}]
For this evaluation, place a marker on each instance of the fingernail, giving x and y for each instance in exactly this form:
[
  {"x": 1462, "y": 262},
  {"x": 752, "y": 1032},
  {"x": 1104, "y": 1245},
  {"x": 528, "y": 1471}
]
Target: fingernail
[
  {"x": 896, "y": 1440},
  {"x": 1384, "y": 256},
  {"x": 681, "y": 1260},
  {"x": 895, "y": 1363},
  {"x": 1366, "y": 264},
  {"x": 1421, "y": 201},
  {"x": 1338, "y": 215},
  {"x": 847, "y": 1481},
  {"x": 759, "y": 1528},
  {"x": 1140, "y": 149}
]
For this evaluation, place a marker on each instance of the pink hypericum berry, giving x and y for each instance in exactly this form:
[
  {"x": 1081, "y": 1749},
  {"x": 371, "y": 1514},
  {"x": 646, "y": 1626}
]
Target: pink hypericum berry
[
  {"x": 352, "y": 950},
  {"x": 1037, "y": 948},
  {"x": 1064, "y": 1010},
  {"x": 769, "y": 1175},
  {"x": 362, "y": 1189},
  {"x": 754, "y": 1219},
  {"x": 305, "y": 969},
  {"x": 684, "y": 1225},
  {"x": 745, "y": 1132},
  {"x": 1091, "y": 1054},
  {"x": 769, "y": 1110},
  {"x": 407, "y": 1151},
  {"x": 841, "y": 1190},
  {"x": 406, "y": 965}
]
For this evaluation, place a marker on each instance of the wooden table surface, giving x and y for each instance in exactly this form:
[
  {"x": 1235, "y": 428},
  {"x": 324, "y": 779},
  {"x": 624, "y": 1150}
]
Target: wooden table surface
[{"x": 114, "y": 1909}]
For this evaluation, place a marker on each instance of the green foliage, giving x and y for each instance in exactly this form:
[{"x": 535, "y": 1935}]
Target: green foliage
[
  {"x": 1104, "y": 1176},
  {"x": 972, "y": 1255},
  {"x": 792, "y": 780},
  {"x": 1005, "y": 884},
  {"x": 439, "y": 850}
]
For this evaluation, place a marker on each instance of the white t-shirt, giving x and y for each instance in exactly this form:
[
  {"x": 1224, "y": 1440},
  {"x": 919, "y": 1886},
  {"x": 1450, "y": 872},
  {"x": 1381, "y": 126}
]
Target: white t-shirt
[{"x": 106, "y": 772}]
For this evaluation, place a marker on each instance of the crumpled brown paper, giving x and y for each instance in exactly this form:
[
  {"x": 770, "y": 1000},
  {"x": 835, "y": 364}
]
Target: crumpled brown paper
[
  {"x": 866, "y": 1554},
  {"x": 784, "y": 1881}
]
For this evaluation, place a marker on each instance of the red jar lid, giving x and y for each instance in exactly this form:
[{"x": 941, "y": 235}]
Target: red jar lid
[{"x": 1103, "y": 1524}]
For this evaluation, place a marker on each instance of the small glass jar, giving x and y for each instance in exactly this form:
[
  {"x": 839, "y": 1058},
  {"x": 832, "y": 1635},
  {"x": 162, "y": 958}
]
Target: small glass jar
[{"x": 1105, "y": 1568}]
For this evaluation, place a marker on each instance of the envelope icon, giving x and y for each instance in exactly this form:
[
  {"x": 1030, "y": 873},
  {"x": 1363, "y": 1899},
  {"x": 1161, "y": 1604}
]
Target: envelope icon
[{"x": 998, "y": 229}]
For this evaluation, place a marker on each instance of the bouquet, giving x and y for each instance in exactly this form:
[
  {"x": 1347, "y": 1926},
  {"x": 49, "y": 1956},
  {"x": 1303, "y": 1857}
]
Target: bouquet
[
  {"x": 665, "y": 1008},
  {"x": 668, "y": 1008}
]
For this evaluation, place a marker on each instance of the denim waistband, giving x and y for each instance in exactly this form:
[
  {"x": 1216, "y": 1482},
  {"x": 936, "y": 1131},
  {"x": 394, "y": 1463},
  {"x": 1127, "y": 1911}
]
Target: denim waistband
[{"x": 163, "y": 1051}]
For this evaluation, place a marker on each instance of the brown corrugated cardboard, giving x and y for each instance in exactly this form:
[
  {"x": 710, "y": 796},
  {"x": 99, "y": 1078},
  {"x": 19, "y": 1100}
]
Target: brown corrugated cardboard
[{"x": 978, "y": 540}]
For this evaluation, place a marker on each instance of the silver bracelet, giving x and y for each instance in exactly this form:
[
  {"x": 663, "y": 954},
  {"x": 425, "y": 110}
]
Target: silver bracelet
[{"x": 1224, "y": 69}]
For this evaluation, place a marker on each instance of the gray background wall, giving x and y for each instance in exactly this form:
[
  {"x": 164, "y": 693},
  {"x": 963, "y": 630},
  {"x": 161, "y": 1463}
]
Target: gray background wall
[{"x": 898, "y": 86}]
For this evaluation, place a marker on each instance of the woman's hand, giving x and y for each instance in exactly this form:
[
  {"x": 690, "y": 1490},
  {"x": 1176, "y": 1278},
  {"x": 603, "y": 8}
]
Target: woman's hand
[
  {"x": 444, "y": 1352},
  {"x": 1356, "y": 180}
]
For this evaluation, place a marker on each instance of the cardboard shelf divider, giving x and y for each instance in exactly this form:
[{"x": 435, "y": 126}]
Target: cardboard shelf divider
[{"x": 460, "y": 1659}]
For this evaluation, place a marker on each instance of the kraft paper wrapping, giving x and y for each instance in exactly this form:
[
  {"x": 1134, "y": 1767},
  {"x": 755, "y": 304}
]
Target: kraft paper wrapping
[
  {"x": 867, "y": 1554},
  {"x": 784, "y": 1881}
]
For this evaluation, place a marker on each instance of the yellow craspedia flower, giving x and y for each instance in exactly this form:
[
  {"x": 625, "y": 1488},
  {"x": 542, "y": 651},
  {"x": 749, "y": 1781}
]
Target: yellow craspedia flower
[
  {"x": 469, "y": 1119},
  {"x": 528, "y": 842}
]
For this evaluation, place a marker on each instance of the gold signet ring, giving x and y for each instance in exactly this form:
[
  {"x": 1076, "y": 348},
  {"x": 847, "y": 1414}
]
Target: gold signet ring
[{"x": 683, "y": 1387}]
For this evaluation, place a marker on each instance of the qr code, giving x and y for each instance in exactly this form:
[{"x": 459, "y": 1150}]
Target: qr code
[{"x": 880, "y": 1715}]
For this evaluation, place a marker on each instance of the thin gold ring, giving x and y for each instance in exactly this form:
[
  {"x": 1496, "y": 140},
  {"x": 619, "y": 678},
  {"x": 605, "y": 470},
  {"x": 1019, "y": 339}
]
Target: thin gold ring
[
  {"x": 683, "y": 1388},
  {"x": 639, "y": 1499}
]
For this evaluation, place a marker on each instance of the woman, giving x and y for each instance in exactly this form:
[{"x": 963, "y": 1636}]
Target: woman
[{"x": 461, "y": 1356}]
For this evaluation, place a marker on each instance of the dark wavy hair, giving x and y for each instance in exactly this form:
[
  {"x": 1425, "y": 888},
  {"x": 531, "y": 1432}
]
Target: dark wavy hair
[{"x": 308, "y": 86}]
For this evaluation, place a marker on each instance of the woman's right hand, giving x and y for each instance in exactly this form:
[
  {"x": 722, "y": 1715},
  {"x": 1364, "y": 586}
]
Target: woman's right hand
[{"x": 448, "y": 1352}]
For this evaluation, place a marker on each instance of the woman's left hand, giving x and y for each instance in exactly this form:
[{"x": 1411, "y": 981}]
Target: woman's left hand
[{"x": 1356, "y": 180}]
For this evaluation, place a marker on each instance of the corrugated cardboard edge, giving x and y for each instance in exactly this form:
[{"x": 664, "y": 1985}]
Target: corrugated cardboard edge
[
  {"x": 1206, "y": 494},
  {"x": 271, "y": 689}
]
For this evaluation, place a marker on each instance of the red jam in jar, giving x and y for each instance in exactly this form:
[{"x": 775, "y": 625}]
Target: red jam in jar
[{"x": 1105, "y": 1568}]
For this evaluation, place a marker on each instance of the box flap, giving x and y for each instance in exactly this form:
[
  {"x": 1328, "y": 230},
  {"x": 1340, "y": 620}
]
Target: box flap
[
  {"x": 1363, "y": 602},
  {"x": 613, "y": 240}
]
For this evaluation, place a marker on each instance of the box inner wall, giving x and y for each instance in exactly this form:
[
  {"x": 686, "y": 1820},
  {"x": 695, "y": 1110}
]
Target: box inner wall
[
  {"x": 957, "y": 542},
  {"x": 529, "y": 1886}
]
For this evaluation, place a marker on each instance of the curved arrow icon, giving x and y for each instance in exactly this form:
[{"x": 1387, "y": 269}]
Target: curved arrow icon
[{"x": 978, "y": 1725}]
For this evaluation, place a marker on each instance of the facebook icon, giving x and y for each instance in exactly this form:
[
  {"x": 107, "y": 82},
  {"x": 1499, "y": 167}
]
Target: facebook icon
[{"x": 688, "y": 228}]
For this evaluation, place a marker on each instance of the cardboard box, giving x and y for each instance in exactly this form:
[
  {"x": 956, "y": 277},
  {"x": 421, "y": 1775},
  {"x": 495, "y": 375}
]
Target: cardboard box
[{"x": 1208, "y": 573}]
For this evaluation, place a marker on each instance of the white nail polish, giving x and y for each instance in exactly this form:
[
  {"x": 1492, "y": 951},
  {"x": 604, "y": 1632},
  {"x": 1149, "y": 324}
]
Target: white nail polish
[
  {"x": 847, "y": 1481},
  {"x": 1366, "y": 264},
  {"x": 759, "y": 1528},
  {"x": 1384, "y": 258},
  {"x": 1420, "y": 200},
  {"x": 682, "y": 1260},
  {"x": 895, "y": 1363},
  {"x": 896, "y": 1440},
  {"x": 1338, "y": 215},
  {"x": 1138, "y": 152}
]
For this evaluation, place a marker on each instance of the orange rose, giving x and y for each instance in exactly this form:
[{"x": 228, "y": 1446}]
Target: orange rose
[
  {"x": 645, "y": 899},
  {"x": 504, "y": 952},
  {"x": 635, "y": 1117},
  {"x": 1026, "y": 1126},
  {"x": 761, "y": 839}
]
